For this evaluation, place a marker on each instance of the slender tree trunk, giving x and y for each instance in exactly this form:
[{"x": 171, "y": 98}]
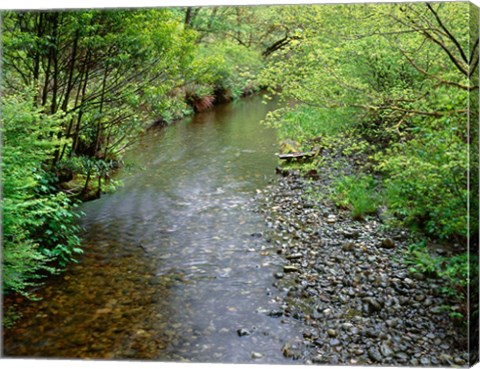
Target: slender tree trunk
[
  {"x": 99, "y": 189},
  {"x": 188, "y": 16},
  {"x": 72, "y": 120},
  {"x": 73, "y": 58},
  {"x": 55, "y": 47},
  {"x": 47, "y": 80},
  {"x": 36, "y": 62},
  {"x": 107, "y": 141},
  {"x": 80, "y": 113},
  {"x": 212, "y": 17},
  {"x": 99, "y": 123},
  {"x": 87, "y": 182}
]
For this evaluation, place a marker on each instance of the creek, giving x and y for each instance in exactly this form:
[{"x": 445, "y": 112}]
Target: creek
[{"x": 175, "y": 265}]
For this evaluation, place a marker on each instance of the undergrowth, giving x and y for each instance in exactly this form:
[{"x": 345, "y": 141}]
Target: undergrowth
[
  {"x": 359, "y": 194},
  {"x": 454, "y": 271}
]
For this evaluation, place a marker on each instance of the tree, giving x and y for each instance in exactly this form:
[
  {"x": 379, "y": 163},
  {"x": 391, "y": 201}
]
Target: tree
[
  {"x": 401, "y": 76},
  {"x": 78, "y": 85}
]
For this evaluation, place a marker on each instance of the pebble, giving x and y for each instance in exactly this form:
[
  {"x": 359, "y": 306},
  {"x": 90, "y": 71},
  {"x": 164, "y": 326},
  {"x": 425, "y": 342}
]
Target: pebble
[
  {"x": 294, "y": 256},
  {"x": 327, "y": 312},
  {"x": 346, "y": 284},
  {"x": 425, "y": 361},
  {"x": 386, "y": 350},
  {"x": 256, "y": 355},
  {"x": 392, "y": 323},
  {"x": 319, "y": 359},
  {"x": 375, "y": 355},
  {"x": 419, "y": 298},
  {"x": 371, "y": 305},
  {"x": 402, "y": 356},
  {"x": 351, "y": 234},
  {"x": 275, "y": 313},
  {"x": 347, "y": 326},
  {"x": 331, "y": 218},
  {"x": 446, "y": 359},
  {"x": 291, "y": 351},
  {"x": 349, "y": 246},
  {"x": 334, "y": 342},
  {"x": 332, "y": 332},
  {"x": 387, "y": 243}
]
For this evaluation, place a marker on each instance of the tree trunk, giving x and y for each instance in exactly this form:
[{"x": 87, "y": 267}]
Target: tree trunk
[
  {"x": 80, "y": 113},
  {"x": 188, "y": 16},
  {"x": 99, "y": 123},
  {"x": 54, "y": 49},
  {"x": 36, "y": 62},
  {"x": 73, "y": 58}
]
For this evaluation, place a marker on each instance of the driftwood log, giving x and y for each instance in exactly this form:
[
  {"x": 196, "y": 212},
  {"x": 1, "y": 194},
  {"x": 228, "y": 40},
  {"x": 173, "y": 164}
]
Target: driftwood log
[{"x": 299, "y": 155}]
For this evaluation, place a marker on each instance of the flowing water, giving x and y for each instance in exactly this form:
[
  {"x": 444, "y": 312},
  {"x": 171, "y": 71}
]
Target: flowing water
[{"x": 173, "y": 264}]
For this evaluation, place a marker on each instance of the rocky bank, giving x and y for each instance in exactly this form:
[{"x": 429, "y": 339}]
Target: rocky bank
[{"x": 348, "y": 282}]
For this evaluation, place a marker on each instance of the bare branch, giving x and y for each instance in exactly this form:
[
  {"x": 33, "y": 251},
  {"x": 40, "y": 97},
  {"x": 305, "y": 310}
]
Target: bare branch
[
  {"x": 450, "y": 36},
  {"x": 473, "y": 53},
  {"x": 429, "y": 75},
  {"x": 448, "y": 52},
  {"x": 413, "y": 24}
]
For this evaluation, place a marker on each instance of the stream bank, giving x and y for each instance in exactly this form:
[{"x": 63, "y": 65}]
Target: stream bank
[
  {"x": 179, "y": 265},
  {"x": 347, "y": 281},
  {"x": 173, "y": 268}
]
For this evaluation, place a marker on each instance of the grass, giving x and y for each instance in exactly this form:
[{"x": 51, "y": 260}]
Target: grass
[{"x": 360, "y": 194}]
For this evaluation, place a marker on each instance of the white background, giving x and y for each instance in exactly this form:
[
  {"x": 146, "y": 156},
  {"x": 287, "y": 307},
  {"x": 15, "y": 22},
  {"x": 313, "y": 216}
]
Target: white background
[{"x": 75, "y": 4}]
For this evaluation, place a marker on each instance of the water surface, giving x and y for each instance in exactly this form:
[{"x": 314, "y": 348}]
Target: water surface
[{"x": 173, "y": 265}]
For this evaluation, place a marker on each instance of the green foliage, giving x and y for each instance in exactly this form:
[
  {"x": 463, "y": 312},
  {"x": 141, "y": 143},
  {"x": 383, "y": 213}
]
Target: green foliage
[
  {"x": 57, "y": 232},
  {"x": 118, "y": 71},
  {"x": 305, "y": 123},
  {"x": 225, "y": 65},
  {"x": 454, "y": 271},
  {"x": 357, "y": 193},
  {"x": 372, "y": 70},
  {"x": 426, "y": 181},
  {"x": 97, "y": 79},
  {"x": 37, "y": 222}
]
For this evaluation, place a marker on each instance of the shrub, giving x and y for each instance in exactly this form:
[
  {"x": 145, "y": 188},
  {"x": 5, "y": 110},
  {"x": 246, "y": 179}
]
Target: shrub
[
  {"x": 305, "y": 123},
  {"x": 454, "y": 271},
  {"x": 426, "y": 182},
  {"x": 37, "y": 221},
  {"x": 357, "y": 193},
  {"x": 225, "y": 67}
]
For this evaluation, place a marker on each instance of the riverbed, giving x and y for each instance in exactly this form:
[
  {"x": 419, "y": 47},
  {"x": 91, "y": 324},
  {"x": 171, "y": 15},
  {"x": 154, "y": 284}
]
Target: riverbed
[{"x": 175, "y": 267}]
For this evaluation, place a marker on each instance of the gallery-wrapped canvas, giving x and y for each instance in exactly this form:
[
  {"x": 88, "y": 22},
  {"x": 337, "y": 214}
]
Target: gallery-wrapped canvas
[{"x": 289, "y": 184}]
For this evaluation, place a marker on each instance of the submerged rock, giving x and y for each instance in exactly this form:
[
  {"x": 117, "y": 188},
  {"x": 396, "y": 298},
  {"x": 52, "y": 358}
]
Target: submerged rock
[
  {"x": 243, "y": 332},
  {"x": 292, "y": 351}
]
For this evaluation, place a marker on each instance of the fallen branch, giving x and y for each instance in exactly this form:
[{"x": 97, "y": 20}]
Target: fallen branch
[{"x": 297, "y": 155}]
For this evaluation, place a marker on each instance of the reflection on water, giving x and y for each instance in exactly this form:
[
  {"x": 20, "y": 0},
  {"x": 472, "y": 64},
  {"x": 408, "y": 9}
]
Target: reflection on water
[{"x": 173, "y": 264}]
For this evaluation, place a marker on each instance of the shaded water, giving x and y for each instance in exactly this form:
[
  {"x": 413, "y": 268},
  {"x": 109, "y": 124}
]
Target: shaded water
[{"x": 173, "y": 266}]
